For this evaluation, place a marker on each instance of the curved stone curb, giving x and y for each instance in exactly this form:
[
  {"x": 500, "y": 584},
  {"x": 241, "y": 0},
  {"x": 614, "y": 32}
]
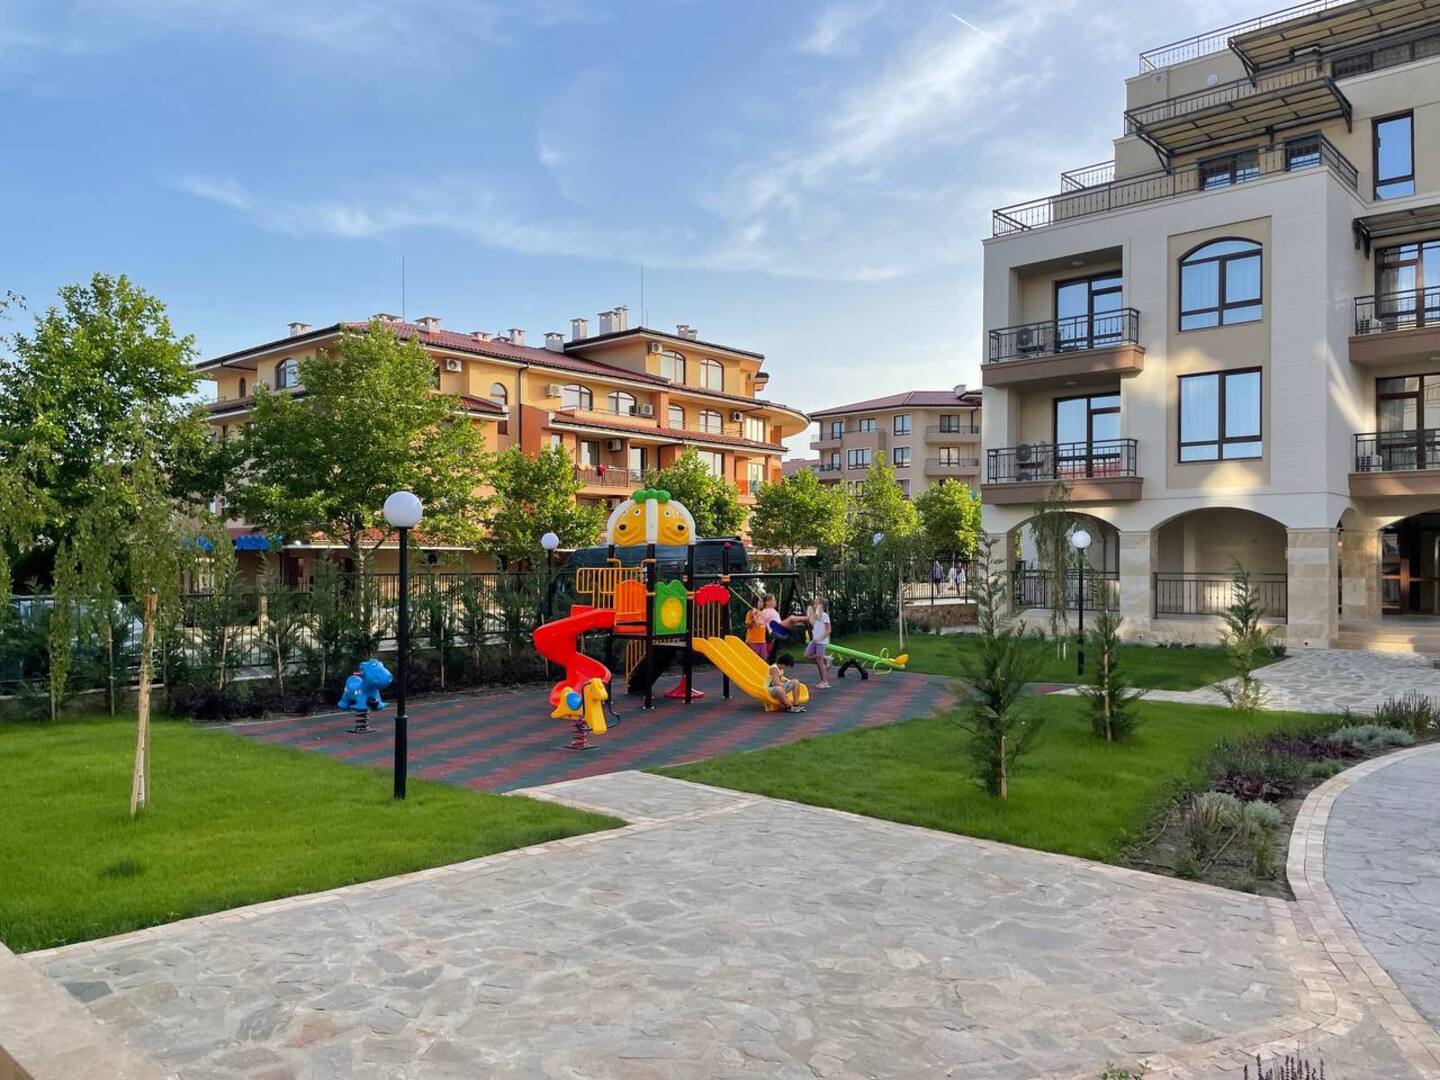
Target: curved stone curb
[{"x": 1318, "y": 913}]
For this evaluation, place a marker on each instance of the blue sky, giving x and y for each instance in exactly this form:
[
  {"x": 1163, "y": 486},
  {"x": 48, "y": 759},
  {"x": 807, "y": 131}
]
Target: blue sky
[{"x": 808, "y": 178}]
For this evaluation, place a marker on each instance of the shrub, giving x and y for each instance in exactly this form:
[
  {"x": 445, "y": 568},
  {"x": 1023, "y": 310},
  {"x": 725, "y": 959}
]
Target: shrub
[
  {"x": 1205, "y": 821},
  {"x": 1259, "y": 822},
  {"x": 1115, "y": 1072},
  {"x": 1308, "y": 745},
  {"x": 1246, "y": 643},
  {"x": 1370, "y": 738},
  {"x": 1288, "y": 1068},
  {"x": 1412, "y": 712},
  {"x": 1112, "y": 699},
  {"x": 1246, "y": 769}
]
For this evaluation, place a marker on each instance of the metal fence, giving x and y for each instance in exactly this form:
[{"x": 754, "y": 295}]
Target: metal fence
[
  {"x": 1051, "y": 337},
  {"x": 1212, "y": 593},
  {"x": 1408, "y": 309},
  {"x": 1038, "y": 589},
  {"x": 1061, "y": 461}
]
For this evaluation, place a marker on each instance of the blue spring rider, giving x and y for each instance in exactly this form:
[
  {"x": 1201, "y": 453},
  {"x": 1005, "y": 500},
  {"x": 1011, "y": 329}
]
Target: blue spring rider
[{"x": 362, "y": 693}]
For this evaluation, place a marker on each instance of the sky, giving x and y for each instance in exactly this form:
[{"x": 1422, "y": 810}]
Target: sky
[{"x": 810, "y": 179}]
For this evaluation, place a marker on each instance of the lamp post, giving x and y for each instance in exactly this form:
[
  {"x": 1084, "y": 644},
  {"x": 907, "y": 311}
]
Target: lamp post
[
  {"x": 549, "y": 542},
  {"x": 402, "y": 511},
  {"x": 1080, "y": 540}
]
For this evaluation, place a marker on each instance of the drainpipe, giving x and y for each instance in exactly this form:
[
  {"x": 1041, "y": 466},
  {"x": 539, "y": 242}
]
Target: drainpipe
[{"x": 520, "y": 406}]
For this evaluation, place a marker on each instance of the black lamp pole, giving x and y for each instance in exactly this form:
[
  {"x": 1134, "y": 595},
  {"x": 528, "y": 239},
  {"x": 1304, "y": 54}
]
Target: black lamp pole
[
  {"x": 1080, "y": 646},
  {"x": 402, "y": 747}
]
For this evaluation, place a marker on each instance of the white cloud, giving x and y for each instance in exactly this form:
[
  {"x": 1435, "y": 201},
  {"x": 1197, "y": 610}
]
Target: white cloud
[{"x": 834, "y": 29}]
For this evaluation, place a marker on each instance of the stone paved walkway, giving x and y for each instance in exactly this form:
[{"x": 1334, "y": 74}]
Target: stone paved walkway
[
  {"x": 1382, "y": 863},
  {"x": 1329, "y": 680},
  {"x": 727, "y": 935}
]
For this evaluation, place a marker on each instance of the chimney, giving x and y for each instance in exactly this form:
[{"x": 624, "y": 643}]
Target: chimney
[
  {"x": 579, "y": 329},
  {"x": 607, "y": 322},
  {"x": 501, "y": 337},
  {"x": 517, "y": 336},
  {"x": 682, "y": 329},
  {"x": 298, "y": 328},
  {"x": 555, "y": 341},
  {"x": 429, "y": 323},
  {"x": 480, "y": 335},
  {"x": 385, "y": 317},
  {"x": 959, "y": 390},
  {"x": 622, "y": 318}
]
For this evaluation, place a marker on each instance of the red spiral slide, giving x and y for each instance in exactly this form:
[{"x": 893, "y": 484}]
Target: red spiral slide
[{"x": 556, "y": 642}]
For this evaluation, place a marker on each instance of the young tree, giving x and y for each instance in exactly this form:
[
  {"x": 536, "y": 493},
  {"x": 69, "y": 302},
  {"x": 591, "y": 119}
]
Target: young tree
[
  {"x": 799, "y": 512},
  {"x": 997, "y": 718},
  {"x": 1246, "y": 642},
  {"x": 714, "y": 503},
  {"x": 370, "y": 423},
  {"x": 533, "y": 496},
  {"x": 950, "y": 517},
  {"x": 881, "y": 507},
  {"x": 1112, "y": 698},
  {"x": 1051, "y": 524}
]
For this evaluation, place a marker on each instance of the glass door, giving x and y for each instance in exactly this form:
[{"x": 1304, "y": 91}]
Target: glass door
[
  {"x": 1408, "y": 284},
  {"x": 1087, "y": 433},
  {"x": 1406, "y": 407},
  {"x": 1086, "y": 312}
]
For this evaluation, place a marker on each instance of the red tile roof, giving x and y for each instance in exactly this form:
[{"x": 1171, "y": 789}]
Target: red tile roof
[{"x": 919, "y": 399}]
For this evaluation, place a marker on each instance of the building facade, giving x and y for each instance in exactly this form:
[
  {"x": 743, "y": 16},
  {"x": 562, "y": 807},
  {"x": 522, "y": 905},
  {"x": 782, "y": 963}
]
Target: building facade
[
  {"x": 1226, "y": 340},
  {"x": 619, "y": 402},
  {"x": 925, "y": 435}
]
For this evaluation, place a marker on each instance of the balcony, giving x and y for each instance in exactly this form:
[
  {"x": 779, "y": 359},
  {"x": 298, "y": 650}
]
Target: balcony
[
  {"x": 634, "y": 422},
  {"x": 942, "y": 467},
  {"x": 1396, "y": 463},
  {"x": 826, "y": 471},
  {"x": 611, "y": 478},
  {"x": 940, "y": 433},
  {"x": 1102, "y": 471},
  {"x": 1236, "y": 36},
  {"x": 827, "y": 442},
  {"x": 1299, "y": 154},
  {"x": 1395, "y": 327},
  {"x": 1065, "y": 352},
  {"x": 1302, "y": 95}
]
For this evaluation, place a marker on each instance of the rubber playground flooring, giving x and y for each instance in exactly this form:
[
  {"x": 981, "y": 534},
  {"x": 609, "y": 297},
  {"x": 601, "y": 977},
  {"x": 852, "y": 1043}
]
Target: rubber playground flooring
[{"x": 505, "y": 740}]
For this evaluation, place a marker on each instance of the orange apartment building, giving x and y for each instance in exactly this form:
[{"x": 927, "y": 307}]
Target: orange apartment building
[{"x": 620, "y": 401}]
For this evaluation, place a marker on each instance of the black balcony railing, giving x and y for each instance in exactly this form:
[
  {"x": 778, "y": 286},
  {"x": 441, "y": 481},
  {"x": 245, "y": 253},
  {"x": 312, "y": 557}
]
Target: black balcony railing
[
  {"x": 1397, "y": 451},
  {"x": 828, "y": 467},
  {"x": 1087, "y": 176},
  {"x": 1212, "y": 593},
  {"x": 1213, "y": 41},
  {"x": 1038, "y": 588},
  {"x": 1226, "y": 93},
  {"x": 1388, "y": 52},
  {"x": 1074, "y": 334},
  {"x": 1300, "y": 153},
  {"x": 1061, "y": 461},
  {"x": 1408, "y": 309}
]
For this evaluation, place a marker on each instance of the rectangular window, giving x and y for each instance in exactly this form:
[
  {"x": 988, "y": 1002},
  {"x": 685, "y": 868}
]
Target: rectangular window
[
  {"x": 755, "y": 473},
  {"x": 1230, "y": 169},
  {"x": 1302, "y": 153},
  {"x": 901, "y": 424},
  {"x": 1395, "y": 156},
  {"x": 867, "y": 424},
  {"x": 950, "y": 422},
  {"x": 635, "y": 459},
  {"x": 755, "y": 429},
  {"x": 901, "y": 455},
  {"x": 1220, "y": 416},
  {"x": 1407, "y": 278},
  {"x": 951, "y": 455},
  {"x": 834, "y": 459},
  {"x": 858, "y": 459},
  {"x": 905, "y": 488},
  {"x": 837, "y": 429},
  {"x": 713, "y": 461},
  {"x": 1087, "y": 312},
  {"x": 588, "y": 454}
]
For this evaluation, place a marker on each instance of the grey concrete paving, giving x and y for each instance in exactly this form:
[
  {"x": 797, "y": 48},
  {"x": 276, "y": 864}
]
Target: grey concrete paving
[
  {"x": 1330, "y": 680},
  {"x": 729, "y": 935},
  {"x": 1382, "y": 863}
]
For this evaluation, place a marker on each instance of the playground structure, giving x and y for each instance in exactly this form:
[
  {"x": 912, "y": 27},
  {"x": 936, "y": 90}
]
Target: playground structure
[
  {"x": 656, "y": 619},
  {"x": 362, "y": 693},
  {"x": 865, "y": 663}
]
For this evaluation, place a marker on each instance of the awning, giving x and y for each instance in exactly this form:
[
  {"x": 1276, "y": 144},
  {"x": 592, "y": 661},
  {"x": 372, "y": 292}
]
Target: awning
[
  {"x": 1375, "y": 227},
  {"x": 1234, "y": 111},
  {"x": 1326, "y": 30}
]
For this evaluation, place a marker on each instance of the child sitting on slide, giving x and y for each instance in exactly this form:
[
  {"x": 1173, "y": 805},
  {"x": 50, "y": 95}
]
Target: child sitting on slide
[{"x": 782, "y": 686}]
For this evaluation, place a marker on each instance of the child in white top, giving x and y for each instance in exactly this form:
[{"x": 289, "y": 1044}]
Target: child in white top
[{"x": 819, "y": 638}]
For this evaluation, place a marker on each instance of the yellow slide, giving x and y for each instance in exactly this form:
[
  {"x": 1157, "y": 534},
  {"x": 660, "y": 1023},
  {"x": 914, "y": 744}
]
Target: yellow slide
[{"x": 746, "y": 670}]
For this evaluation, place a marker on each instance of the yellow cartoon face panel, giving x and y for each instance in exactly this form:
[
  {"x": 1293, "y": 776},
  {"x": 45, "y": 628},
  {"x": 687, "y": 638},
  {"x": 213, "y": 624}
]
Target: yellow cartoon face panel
[
  {"x": 675, "y": 528},
  {"x": 627, "y": 526}
]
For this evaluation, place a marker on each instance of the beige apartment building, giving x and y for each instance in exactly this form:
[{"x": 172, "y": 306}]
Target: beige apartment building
[
  {"x": 619, "y": 401},
  {"x": 1226, "y": 340},
  {"x": 926, "y": 435}
]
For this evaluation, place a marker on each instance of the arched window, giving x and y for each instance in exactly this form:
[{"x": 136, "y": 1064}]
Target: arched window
[
  {"x": 676, "y": 418},
  {"x": 499, "y": 395},
  {"x": 1220, "y": 284},
  {"x": 621, "y": 403},
  {"x": 576, "y": 396},
  {"x": 242, "y": 386},
  {"x": 712, "y": 375},
  {"x": 710, "y": 421},
  {"x": 287, "y": 373},
  {"x": 672, "y": 366}
]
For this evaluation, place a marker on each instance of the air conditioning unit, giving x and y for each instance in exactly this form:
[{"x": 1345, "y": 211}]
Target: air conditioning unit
[
  {"x": 646, "y": 409},
  {"x": 1372, "y": 463},
  {"x": 614, "y": 445},
  {"x": 737, "y": 416},
  {"x": 656, "y": 347},
  {"x": 554, "y": 390},
  {"x": 454, "y": 364}
]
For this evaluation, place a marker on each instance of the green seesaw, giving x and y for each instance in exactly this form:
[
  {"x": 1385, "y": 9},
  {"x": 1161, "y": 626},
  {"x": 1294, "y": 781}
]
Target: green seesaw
[{"x": 860, "y": 661}]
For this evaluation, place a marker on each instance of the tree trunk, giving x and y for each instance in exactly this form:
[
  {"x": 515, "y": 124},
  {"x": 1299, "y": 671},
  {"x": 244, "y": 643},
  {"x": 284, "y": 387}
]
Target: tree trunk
[
  {"x": 140, "y": 780},
  {"x": 110, "y": 664},
  {"x": 1003, "y": 787}
]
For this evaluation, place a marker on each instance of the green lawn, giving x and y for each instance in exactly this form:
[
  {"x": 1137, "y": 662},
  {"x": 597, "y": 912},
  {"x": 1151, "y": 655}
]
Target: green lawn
[
  {"x": 231, "y": 822},
  {"x": 1073, "y": 793},
  {"x": 1145, "y": 665}
]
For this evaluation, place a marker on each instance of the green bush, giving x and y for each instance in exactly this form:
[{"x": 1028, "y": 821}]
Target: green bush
[
  {"x": 1413, "y": 712},
  {"x": 1371, "y": 738},
  {"x": 1245, "y": 768}
]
